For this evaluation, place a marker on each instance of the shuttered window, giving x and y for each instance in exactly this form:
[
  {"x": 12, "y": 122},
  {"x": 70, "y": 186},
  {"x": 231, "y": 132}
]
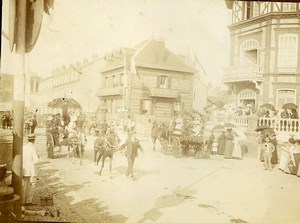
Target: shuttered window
[{"x": 288, "y": 50}]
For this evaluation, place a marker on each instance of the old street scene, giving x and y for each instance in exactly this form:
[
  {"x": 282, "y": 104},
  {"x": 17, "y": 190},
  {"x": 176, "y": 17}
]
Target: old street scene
[{"x": 150, "y": 111}]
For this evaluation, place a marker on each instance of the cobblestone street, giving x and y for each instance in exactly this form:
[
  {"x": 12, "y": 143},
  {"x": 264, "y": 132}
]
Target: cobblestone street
[{"x": 167, "y": 189}]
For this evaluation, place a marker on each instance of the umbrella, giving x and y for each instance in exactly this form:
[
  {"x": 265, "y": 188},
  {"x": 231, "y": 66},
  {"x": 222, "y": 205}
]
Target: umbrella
[
  {"x": 229, "y": 125},
  {"x": 218, "y": 127},
  {"x": 290, "y": 106},
  {"x": 268, "y": 106},
  {"x": 220, "y": 104},
  {"x": 64, "y": 103},
  {"x": 262, "y": 127},
  {"x": 268, "y": 132}
]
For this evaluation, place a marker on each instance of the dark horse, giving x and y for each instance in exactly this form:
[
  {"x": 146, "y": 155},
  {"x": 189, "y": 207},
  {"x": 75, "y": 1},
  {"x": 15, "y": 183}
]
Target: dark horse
[{"x": 105, "y": 146}]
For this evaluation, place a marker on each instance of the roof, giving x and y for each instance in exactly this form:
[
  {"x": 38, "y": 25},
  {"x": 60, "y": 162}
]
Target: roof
[{"x": 154, "y": 54}]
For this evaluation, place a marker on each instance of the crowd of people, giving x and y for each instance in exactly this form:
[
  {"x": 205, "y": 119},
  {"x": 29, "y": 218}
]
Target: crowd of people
[
  {"x": 289, "y": 157},
  {"x": 227, "y": 144},
  {"x": 7, "y": 120},
  {"x": 262, "y": 111},
  {"x": 30, "y": 123}
]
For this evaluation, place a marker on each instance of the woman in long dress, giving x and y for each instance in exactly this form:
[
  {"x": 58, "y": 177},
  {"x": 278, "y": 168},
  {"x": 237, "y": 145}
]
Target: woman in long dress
[
  {"x": 285, "y": 156},
  {"x": 274, "y": 159},
  {"x": 229, "y": 144},
  {"x": 295, "y": 157},
  {"x": 221, "y": 143},
  {"x": 237, "y": 150}
]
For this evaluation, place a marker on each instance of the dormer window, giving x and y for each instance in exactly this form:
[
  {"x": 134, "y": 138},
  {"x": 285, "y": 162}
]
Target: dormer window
[{"x": 163, "y": 82}]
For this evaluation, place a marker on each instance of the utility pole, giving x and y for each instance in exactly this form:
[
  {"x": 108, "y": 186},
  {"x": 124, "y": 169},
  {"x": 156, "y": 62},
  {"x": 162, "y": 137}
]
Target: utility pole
[{"x": 18, "y": 104}]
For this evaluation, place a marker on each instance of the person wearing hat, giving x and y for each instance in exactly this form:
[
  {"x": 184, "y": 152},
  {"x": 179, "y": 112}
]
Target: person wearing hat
[
  {"x": 268, "y": 148},
  {"x": 229, "y": 145},
  {"x": 274, "y": 159},
  {"x": 133, "y": 145},
  {"x": 30, "y": 158},
  {"x": 285, "y": 156}
]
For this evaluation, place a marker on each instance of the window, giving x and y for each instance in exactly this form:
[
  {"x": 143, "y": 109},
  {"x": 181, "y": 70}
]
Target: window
[
  {"x": 248, "y": 10},
  {"x": 114, "y": 81},
  {"x": 177, "y": 106},
  {"x": 256, "y": 8},
  {"x": 121, "y": 82},
  {"x": 106, "y": 82},
  {"x": 146, "y": 106},
  {"x": 163, "y": 82},
  {"x": 285, "y": 96},
  {"x": 287, "y": 7},
  {"x": 288, "y": 50}
]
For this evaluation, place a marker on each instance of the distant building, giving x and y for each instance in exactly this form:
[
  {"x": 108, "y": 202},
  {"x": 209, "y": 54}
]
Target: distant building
[
  {"x": 6, "y": 91},
  {"x": 147, "y": 80},
  {"x": 78, "y": 81},
  {"x": 264, "y": 53}
]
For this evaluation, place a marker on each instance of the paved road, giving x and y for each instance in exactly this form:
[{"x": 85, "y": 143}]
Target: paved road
[{"x": 181, "y": 190}]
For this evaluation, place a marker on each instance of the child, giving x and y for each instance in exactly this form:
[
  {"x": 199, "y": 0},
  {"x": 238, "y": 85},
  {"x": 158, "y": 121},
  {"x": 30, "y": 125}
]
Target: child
[
  {"x": 215, "y": 146},
  {"x": 268, "y": 148}
]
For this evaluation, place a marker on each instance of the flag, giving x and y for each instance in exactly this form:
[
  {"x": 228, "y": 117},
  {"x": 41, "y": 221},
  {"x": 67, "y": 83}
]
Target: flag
[
  {"x": 34, "y": 18},
  {"x": 134, "y": 69}
]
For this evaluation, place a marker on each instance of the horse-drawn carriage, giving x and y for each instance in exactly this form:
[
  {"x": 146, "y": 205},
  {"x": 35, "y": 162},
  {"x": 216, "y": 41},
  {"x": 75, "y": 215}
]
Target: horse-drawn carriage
[
  {"x": 180, "y": 137},
  {"x": 58, "y": 135}
]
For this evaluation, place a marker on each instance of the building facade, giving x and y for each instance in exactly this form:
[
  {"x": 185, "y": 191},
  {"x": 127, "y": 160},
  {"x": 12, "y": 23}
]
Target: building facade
[
  {"x": 264, "y": 53},
  {"x": 78, "y": 81},
  {"x": 7, "y": 91},
  {"x": 148, "y": 81}
]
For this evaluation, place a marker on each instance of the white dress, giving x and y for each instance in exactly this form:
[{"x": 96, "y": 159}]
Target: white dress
[
  {"x": 285, "y": 156},
  {"x": 237, "y": 151},
  {"x": 30, "y": 158}
]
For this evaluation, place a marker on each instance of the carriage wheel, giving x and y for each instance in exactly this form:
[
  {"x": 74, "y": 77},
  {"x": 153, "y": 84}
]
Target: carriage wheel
[
  {"x": 176, "y": 147},
  {"x": 50, "y": 145}
]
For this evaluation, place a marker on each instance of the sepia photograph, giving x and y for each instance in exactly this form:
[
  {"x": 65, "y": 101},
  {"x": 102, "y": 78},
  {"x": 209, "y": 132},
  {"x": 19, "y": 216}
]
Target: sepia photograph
[{"x": 140, "y": 111}]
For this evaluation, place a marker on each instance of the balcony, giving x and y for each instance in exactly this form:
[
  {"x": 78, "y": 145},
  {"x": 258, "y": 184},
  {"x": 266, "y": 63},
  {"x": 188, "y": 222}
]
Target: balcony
[
  {"x": 164, "y": 93},
  {"x": 112, "y": 91},
  {"x": 240, "y": 73}
]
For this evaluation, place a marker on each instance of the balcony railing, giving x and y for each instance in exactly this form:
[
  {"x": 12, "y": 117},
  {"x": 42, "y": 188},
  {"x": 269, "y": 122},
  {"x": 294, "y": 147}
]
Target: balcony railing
[
  {"x": 251, "y": 72},
  {"x": 278, "y": 124},
  {"x": 164, "y": 93},
  {"x": 238, "y": 121},
  {"x": 281, "y": 124},
  {"x": 112, "y": 91}
]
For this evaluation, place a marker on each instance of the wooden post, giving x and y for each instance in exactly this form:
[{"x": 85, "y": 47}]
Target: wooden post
[{"x": 18, "y": 104}]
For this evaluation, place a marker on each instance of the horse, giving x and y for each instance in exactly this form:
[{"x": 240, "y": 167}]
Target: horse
[{"x": 104, "y": 147}]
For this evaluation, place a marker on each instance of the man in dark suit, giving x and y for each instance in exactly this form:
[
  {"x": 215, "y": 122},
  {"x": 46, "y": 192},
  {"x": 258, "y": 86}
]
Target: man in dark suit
[{"x": 132, "y": 144}]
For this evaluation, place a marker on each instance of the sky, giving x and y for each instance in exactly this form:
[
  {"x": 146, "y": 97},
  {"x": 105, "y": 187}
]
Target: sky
[{"x": 77, "y": 29}]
